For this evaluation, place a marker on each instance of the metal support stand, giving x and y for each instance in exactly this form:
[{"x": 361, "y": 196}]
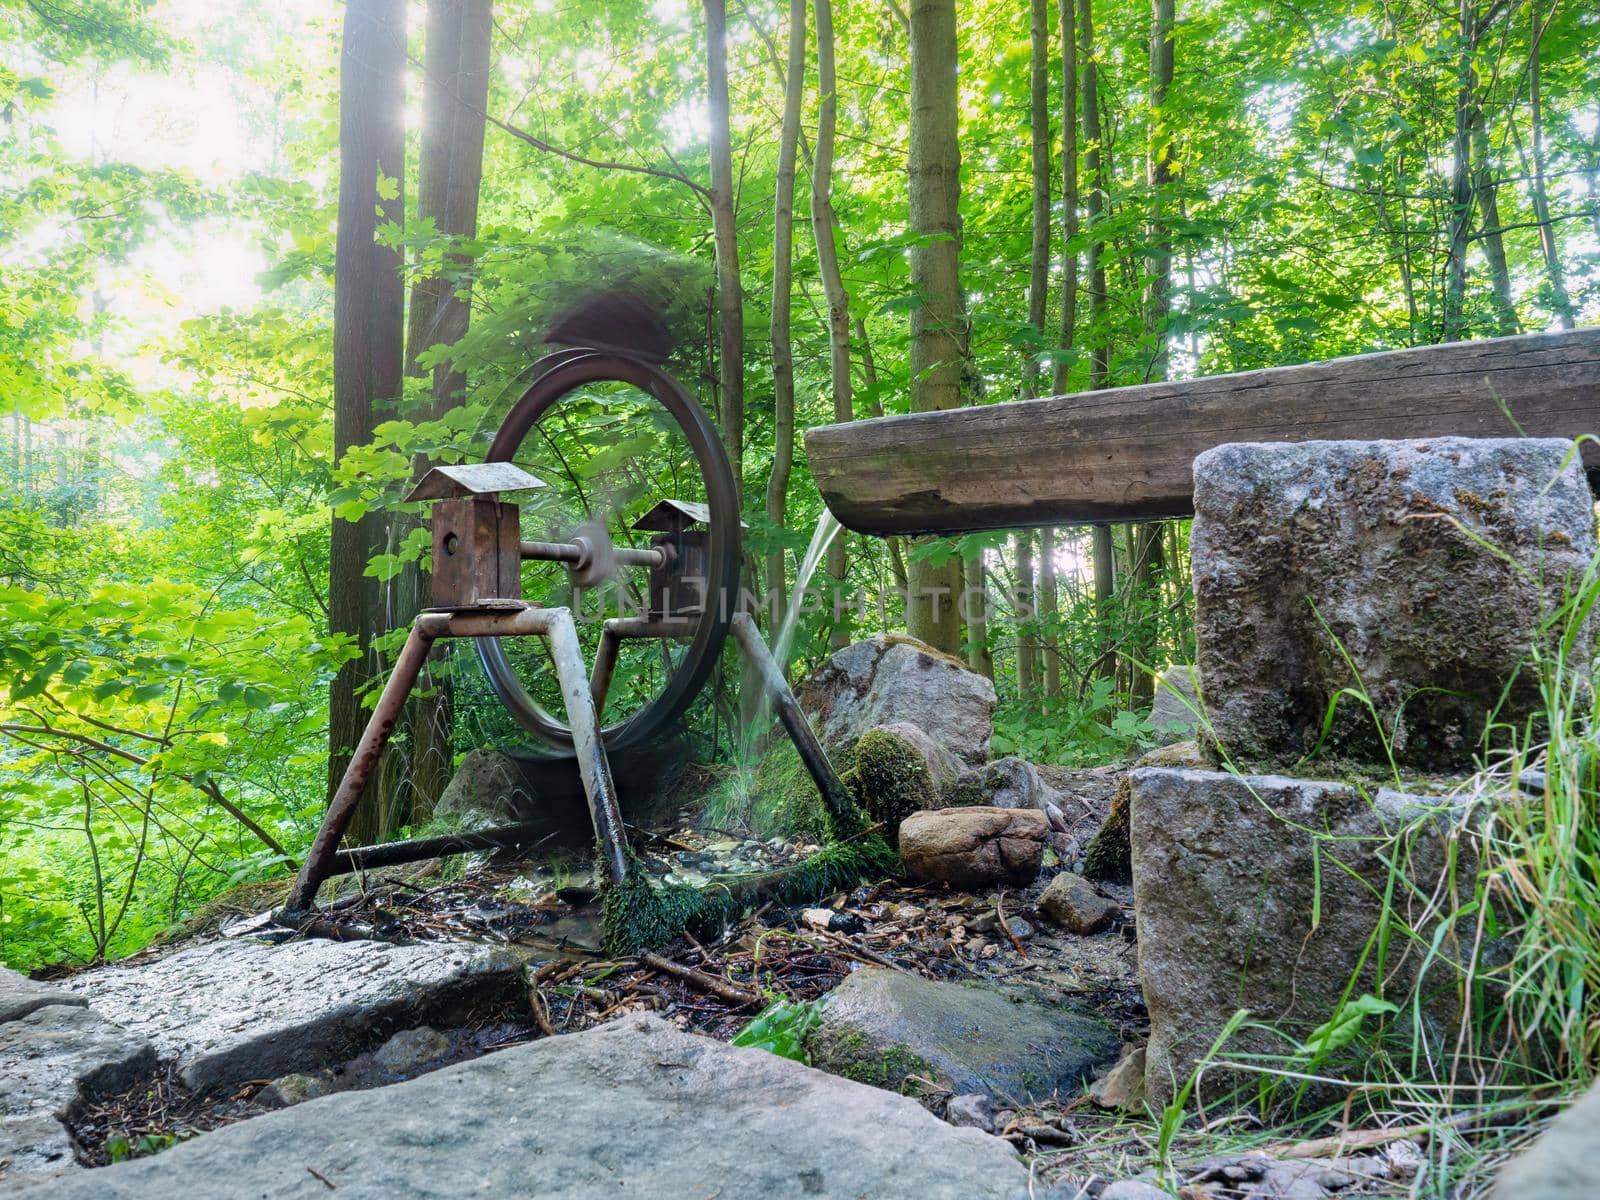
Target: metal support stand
[{"x": 584, "y": 697}]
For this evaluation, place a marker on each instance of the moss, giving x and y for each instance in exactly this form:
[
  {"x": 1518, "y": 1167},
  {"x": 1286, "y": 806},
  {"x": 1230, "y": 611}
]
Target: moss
[
  {"x": 777, "y": 798},
  {"x": 891, "y": 780},
  {"x": 1109, "y": 855},
  {"x": 637, "y": 916},
  {"x": 850, "y": 1055}
]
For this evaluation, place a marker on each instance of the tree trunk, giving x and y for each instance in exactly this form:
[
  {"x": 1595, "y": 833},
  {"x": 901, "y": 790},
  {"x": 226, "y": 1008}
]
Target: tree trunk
[
  {"x": 1158, "y": 178},
  {"x": 975, "y": 593},
  {"x": 1099, "y": 339},
  {"x": 368, "y": 321},
  {"x": 455, "y": 91},
  {"x": 1027, "y": 614},
  {"x": 730, "y": 300},
  {"x": 1560, "y": 300},
  {"x": 1069, "y": 194},
  {"x": 1039, "y": 124},
  {"x": 1494, "y": 247},
  {"x": 1050, "y": 643},
  {"x": 938, "y": 324},
  {"x": 823, "y": 224},
  {"x": 782, "y": 299},
  {"x": 1455, "y": 288},
  {"x": 1146, "y": 544}
]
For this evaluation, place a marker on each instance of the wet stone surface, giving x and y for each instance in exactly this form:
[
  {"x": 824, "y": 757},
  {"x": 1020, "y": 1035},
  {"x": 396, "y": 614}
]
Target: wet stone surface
[
  {"x": 48, "y": 1060},
  {"x": 235, "y": 1010}
]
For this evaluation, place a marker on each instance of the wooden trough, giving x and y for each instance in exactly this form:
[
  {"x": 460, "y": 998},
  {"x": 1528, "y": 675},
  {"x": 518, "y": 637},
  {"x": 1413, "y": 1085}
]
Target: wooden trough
[{"x": 1124, "y": 454}]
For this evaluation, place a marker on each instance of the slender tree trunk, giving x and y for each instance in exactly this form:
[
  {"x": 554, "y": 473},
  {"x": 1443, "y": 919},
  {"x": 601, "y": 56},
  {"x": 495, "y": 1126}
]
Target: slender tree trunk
[
  {"x": 938, "y": 324},
  {"x": 1039, "y": 124},
  {"x": 869, "y": 372},
  {"x": 1044, "y": 589},
  {"x": 975, "y": 592},
  {"x": 1069, "y": 194},
  {"x": 1099, "y": 338},
  {"x": 455, "y": 89},
  {"x": 730, "y": 298},
  {"x": 1049, "y": 611},
  {"x": 824, "y": 226},
  {"x": 1494, "y": 247},
  {"x": 782, "y": 299},
  {"x": 368, "y": 322},
  {"x": 1461, "y": 191},
  {"x": 1027, "y": 615},
  {"x": 1560, "y": 300},
  {"x": 1592, "y": 179},
  {"x": 1158, "y": 178}
]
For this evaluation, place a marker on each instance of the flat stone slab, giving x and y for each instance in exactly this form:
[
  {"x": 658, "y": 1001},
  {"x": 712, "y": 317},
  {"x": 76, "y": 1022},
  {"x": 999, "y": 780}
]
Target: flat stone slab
[
  {"x": 633, "y": 1108},
  {"x": 234, "y": 1010},
  {"x": 48, "y": 1058},
  {"x": 1417, "y": 571},
  {"x": 884, "y": 1027},
  {"x": 20, "y": 995}
]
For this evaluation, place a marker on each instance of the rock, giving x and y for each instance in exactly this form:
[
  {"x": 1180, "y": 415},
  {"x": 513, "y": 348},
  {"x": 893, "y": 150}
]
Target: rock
[
  {"x": 891, "y": 779},
  {"x": 1177, "y": 701},
  {"x": 891, "y": 678},
  {"x": 1133, "y": 1189},
  {"x": 233, "y": 1010},
  {"x": 1072, "y": 903},
  {"x": 295, "y": 1088},
  {"x": 589, "y": 1116},
  {"x": 20, "y": 996},
  {"x": 488, "y": 788},
  {"x": 1563, "y": 1163},
  {"x": 974, "y": 847},
  {"x": 49, "y": 1059},
  {"x": 974, "y": 1110},
  {"x": 944, "y": 768},
  {"x": 882, "y": 1027},
  {"x": 1307, "y": 554},
  {"x": 1226, "y": 871},
  {"x": 1122, "y": 1087},
  {"x": 1004, "y": 783},
  {"x": 411, "y": 1049},
  {"x": 1108, "y": 856}
]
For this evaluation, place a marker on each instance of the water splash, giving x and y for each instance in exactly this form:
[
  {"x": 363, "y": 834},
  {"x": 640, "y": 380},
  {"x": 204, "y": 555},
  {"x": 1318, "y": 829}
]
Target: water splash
[{"x": 827, "y": 529}]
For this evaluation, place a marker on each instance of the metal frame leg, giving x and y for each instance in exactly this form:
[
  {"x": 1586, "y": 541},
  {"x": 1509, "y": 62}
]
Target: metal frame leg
[{"x": 319, "y": 863}]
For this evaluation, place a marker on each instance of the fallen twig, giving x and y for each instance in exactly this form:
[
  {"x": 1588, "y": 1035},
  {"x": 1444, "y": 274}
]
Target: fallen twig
[{"x": 712, "y": 984}]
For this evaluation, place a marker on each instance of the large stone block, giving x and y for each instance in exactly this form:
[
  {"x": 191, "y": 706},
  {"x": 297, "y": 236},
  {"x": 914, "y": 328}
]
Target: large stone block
[
  {"x": 49, "y": 1059},
  {"x": 20, "y": 995},
  {"x": 1265, "y": 892},
  {"x": 1418, "y": 570}
]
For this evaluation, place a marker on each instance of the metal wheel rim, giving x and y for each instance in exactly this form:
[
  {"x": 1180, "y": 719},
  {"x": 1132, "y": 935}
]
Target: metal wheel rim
[{"x": 557, "y": 376}]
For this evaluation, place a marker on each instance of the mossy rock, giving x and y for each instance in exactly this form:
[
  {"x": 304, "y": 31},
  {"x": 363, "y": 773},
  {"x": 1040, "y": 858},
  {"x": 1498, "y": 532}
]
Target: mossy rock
[
  {"x": 922, "y": 1036},
  {"x": 1109, "y": 854},
  {"x": 776, "y": 799},
  {"x": 891, "y": 780}
]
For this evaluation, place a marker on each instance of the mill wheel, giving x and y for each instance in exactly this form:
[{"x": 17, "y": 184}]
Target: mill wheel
[{"x": 613, "y": 436}]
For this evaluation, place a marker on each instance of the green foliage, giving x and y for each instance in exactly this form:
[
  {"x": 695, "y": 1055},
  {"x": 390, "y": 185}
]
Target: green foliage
[{"x": 781, "y": 1028}]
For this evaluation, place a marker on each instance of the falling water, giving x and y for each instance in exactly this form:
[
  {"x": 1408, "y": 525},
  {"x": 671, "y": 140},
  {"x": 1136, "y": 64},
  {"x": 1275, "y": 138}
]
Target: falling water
[{"x": 821, "y": 538}]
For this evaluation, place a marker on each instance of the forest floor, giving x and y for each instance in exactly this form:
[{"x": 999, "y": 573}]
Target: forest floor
[{"x": 534, "y": 907}]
